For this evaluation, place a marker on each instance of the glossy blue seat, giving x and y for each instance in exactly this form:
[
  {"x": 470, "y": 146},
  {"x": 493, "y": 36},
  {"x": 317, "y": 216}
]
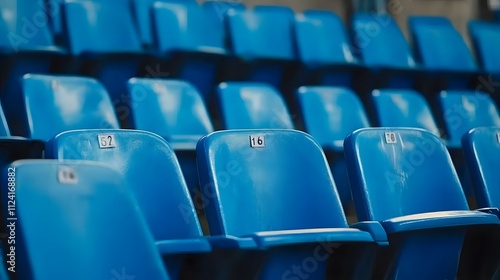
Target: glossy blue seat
[
  {"x": 485, "y": 38},
  {"x": 150, "y": 169},
  {"x": 324, "y": 48},
  {"x": 252, "y": 105},
  {"x": 174, "y": 110},
  {"x": 404, "y": 178},
  {"x": 191, "y": 53},
  {"x": 218, "y": 9},
  {"x": 26, "y": 46},
  {"x": 262, "y": 39},
  {"x": 86, "y": 237},
  {"x": 442, "y": 51},
  {"x": 104, "y": 44},
  {"x": 329, "y": 114},
  {"x": 58, "y": 103},
  {"x": 384, "y": 51},
  {"x": 274, "y": 188},
  {"x": 403, "y": 108}
]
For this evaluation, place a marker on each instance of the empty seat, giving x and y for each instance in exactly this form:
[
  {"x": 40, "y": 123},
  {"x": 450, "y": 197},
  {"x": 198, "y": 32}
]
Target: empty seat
[
  {"x": 329, "y": 114},
  {"x": 384, "y": 51},
  {"x": 273, "y": 187},
  {"x": 150, "y": 169},
  {"x": 92, "y": 228},
  {"x": 104, "y": 44},
  {"x": 252, "y": 105},
  {"x": 405, "y": 179},
  {"x": 58, "y": 103},
  {"x": 442, "y": 51},
  {"x": 26, "y": 46},
  {"x": 403, "y": 108},
  {"x": 262, "y": 38},
  {"x": 174, "y": 110}
]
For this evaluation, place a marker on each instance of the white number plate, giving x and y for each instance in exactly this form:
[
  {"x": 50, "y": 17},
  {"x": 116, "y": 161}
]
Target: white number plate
[
  {"x": 257, "y": 141},
  {"x": 106, "y": 141},
  {"x": 390, "y": 138},
  {"x": 67, "y": 175}
]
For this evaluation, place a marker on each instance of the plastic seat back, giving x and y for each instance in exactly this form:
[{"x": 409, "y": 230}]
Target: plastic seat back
[
  {"x": 171, "y": 108},
  {"x": 438, "y": 45},
  {"x": 330, "y": 114},
  {"x": 252, "y": 105},
  {"x": 58, "y": 103},
  {"x": 464, "y": 110},
  {"x": 380, "y": 41},
  {"x": 264, "y": 32},
  {"x": 89, "y": 219},
  {"x": 149, "y": 168},
  {"x": 100, "y": 27},
  {"x": 485, "y": 37},
  {"x": 482, "y": 150},
  {"x": 401, "y": 171},
  {"x": 403, "y": 108},
  {"x": 266, "y": 180}
]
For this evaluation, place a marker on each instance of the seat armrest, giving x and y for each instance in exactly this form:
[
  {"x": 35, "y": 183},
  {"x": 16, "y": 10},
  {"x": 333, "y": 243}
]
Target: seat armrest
[{"x": 375, "y": 229}]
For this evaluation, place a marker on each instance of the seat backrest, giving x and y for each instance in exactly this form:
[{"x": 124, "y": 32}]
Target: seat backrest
[
  {"x": 482, "y": 150},
  {"x": 219, "y": 9},
  {"x": 400, "y": 171},
  {"x": 464, "y": 110},
  {"x": 438, "y": 45},
  {"x": 99, "y": 26},
  {"x": 89, "y": 219},
  {"x": 321, "y": 38},
  {"x": 403, "y": 108},
  {"x": 380, "y": 42},
  {"x": 485, "y": 37},
  {"x": 149, "y": 167},
  {"x": 58, "y": 103},
  {"x": 252, "y": 105},
  {"x": 180, "y": 26},
  {"x": 171, "y": 108},
  {"x": 330, "y": 114},
  {"x": 264, "y": 32},
  {"x": 24, "y": 25},
  {"x": 266, "y": 180}
]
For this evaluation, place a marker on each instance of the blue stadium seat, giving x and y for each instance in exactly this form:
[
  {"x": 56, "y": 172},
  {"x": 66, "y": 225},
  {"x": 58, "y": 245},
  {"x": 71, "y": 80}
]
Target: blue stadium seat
[
  {"x": 191, "y": 53},
  {"x": 404, "y": 178},
  {"x": 263, "y": 39},
  {"x": 150, "y": 168},
  {"x": 403, "y": 108},
  {"x": 384, "y": 51},
  {"x": 442, "y": 51},
  {"x": 252, "y": 105},
  {"x": 323, "y": 46},
  {"x": 174, "y": 110},
  {"x": 92, "y": 228},
  {"x": 485, "y": 38},
  {"x": 26, "y": 46},
  {"x": 329, "y": 114},
  {"x": 104, "y": 43},
  {"x": 219, "y": 9},
  {"x": 273, "y": 187},
  {"x": 58, "y": 103}
]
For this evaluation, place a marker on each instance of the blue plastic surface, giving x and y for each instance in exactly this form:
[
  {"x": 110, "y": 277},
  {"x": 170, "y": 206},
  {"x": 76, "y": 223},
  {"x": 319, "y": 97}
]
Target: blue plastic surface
[
  {"x": 71, "y": 202},
  {"x": 58, "y": 103},
  {"x": 482, "y": 147},
  {"x": 403, "y": 108},
  {"x": 4, "y": 127},
  {"x": 485, "y": 38},
  {"x": 464, "y": 110},
  {"x": 252, "y": 105},
  {"x": 219, "y": 9}
]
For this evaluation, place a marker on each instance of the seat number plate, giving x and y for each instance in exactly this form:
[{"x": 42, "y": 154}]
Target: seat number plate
[
  {"x": 257, "y": 141},
  {"x": 390, "y": 138},
  {"x": 106, "y": 141}
]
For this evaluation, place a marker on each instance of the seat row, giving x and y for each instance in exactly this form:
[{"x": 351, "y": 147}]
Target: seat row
[{"x": 270, "y": 200}]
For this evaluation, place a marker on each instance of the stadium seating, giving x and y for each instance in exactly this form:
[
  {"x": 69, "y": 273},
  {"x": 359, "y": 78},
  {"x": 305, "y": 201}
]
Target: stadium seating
[
  {"x": 279, "y": 184},
  {"x": 104, "y": 44},
  {"x": 329, "y": 114},
  {"x": 84, "y": 217},
  {"x": 252, "y": 105},
  {"x": 56, "y": 103},
  {"x": 324, "y": 48},
  {"x": 442, "y": 51},
  {"x": 174, "y": 110},
  {"x": 26, "y": 46},
  {"x": 150, "y": 169},
  {"x": 404, "y": 178},
  {"x": 403, "y": 108}
]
